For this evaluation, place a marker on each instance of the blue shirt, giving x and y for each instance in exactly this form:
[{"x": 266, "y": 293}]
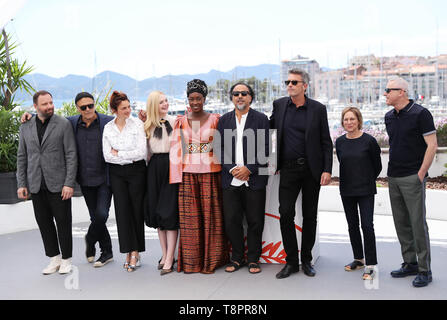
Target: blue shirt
[
  {"x": 406, "y": 130},
  {"x": 91, "y": 164}
]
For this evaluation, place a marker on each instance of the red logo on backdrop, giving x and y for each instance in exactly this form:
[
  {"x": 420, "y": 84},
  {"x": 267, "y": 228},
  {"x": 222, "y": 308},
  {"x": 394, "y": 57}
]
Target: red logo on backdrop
[{"x": 272, "y": 251}]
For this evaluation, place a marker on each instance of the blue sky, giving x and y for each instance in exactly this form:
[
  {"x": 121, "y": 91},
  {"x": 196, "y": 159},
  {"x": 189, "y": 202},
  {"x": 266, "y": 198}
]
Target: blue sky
[{"x": 154, "y": 38}]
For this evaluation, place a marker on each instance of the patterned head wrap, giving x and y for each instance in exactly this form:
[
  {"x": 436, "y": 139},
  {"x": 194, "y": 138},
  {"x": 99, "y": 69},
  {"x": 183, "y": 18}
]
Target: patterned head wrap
[{"x": 197, "y": 85}]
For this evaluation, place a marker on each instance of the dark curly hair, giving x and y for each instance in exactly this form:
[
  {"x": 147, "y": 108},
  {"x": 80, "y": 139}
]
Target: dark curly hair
[
  {"x": 116, "y": 98},
  {"x": 250, "y": 90}
]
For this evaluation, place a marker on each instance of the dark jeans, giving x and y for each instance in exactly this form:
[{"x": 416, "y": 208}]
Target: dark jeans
[
  {"x": 237, "y": 202},
  {"x": 366, "y": 206},
  {"x": 128, "y": 184},
  {"x": 98, "y": 203},
  {"x": 294, "y": 179},
  {"x": 49, "y": 206}
]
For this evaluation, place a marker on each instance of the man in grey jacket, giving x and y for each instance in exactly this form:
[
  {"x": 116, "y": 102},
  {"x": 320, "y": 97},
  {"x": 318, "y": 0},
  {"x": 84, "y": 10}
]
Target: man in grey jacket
[{"x": 46, "y": 169}]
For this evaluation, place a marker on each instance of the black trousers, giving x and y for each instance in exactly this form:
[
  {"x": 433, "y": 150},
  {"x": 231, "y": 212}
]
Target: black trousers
[
  {"x": 366, "y": 205},
  {"x": 49, "y": 207},
  {"x": 237, "y": 202},
  {"x": 98, "y": 201},
  {"x": 294, "y": 179},
  {"x": 128, "y": 184}
]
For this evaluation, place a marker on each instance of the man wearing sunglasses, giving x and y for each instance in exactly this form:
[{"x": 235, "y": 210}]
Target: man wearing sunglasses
[
  {"x": 92, "y": 174},
  {"x": 243, "y": 152},
  {"x": 413, "y": 145},
  {"x": 304, "y": 152}
]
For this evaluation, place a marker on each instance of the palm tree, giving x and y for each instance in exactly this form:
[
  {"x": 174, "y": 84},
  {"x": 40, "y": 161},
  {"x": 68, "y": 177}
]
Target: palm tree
[{"x": 12, "y": 74}]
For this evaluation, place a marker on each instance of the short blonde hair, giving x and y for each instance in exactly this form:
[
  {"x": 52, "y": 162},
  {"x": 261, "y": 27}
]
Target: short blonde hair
[{"x": 356, "y": 112}]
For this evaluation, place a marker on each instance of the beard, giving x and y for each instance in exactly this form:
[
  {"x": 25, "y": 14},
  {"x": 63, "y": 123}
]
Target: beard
[
  {"x": 241, "y": 107},
  {"x": 46, "y": 114}
]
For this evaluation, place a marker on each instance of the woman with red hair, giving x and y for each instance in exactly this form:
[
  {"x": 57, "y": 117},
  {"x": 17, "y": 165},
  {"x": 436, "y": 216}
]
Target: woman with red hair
[{"x": 124, "y": 148}]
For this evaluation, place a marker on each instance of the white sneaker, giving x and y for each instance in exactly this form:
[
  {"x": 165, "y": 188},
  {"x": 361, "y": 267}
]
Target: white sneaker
[
  {"x": 65, "y": 266},
  {"x": 55, "y": 263}
]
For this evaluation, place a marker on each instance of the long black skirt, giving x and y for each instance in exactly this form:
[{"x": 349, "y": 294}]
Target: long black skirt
[{"x": 161, "y": 197}]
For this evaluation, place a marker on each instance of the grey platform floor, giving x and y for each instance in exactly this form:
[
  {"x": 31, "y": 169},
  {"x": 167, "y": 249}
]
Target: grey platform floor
[{"x": 22, "y": 260}]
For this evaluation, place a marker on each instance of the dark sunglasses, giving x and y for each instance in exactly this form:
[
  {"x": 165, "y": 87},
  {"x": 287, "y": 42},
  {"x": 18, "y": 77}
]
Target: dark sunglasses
[
  {"x": 237, "y": 93},
  {"x": 294, "y": 82},
  {"x": 388, "y": 90},
  {"x": 90, "y": 106}
]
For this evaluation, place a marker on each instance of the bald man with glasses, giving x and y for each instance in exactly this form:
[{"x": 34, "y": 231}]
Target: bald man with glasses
[{"x": 413, "y": 145}]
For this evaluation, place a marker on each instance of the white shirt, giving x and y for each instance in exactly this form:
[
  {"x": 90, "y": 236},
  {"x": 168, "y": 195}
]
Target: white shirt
[
  {"x": 130, "y": 143},
  {"x": 239, "y": 149},
  {"x": 162, "y": 145}
]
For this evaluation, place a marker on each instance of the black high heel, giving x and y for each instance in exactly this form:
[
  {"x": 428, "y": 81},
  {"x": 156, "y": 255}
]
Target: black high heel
[
  {"x": 160, "y": 265},
  {"x": 166, "y": 271}
]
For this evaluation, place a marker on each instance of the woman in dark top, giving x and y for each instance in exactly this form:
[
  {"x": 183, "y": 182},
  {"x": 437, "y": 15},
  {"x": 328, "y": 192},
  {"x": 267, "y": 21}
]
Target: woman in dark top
[{"x": 360, "y": 165}]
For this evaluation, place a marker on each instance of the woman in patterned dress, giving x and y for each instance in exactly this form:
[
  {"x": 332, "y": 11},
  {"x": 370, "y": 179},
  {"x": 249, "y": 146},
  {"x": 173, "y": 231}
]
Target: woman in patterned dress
[{"x": 203, "y": 246}]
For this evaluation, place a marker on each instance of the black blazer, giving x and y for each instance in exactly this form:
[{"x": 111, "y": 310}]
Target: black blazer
[
  {"x": 226, "y": 152},
  {"x": 319, "y": 149}
]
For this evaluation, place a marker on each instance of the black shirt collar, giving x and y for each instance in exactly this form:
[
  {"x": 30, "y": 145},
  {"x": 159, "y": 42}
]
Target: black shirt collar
[
  {"x": 407, "y": 108},
  {"x": 45, "y": 122},
  {"x": 290, "y": 103},
  {"x": 82, "y": 123}
]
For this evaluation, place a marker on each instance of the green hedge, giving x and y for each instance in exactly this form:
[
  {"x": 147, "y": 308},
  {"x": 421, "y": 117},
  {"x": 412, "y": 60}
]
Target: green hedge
[{"x": 9, "y": 139}]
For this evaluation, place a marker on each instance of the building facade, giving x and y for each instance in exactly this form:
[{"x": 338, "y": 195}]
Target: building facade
[
  {"x": 364, "y": 81},
  {"x": 309, "y": 65}
]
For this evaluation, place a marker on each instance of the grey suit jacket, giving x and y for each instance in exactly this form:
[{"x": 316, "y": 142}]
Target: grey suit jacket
[{"x": 55, "y": 158}]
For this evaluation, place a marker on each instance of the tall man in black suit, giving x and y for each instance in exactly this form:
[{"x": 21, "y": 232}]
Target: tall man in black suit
[
  {"x": 243, "y": 152},
  {"x": 304, "y": 149}
]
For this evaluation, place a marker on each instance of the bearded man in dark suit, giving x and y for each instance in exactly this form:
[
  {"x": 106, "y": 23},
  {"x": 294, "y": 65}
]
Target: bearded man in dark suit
[{"x": 243, "y": 153}]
